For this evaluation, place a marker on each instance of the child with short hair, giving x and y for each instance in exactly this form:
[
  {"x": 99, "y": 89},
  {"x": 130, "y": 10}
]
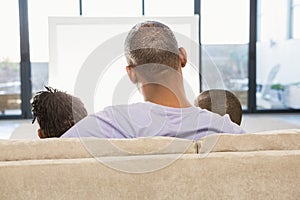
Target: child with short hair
[
  {"x": 56, "y": 112},
  {"x": 221, "y": 102}
]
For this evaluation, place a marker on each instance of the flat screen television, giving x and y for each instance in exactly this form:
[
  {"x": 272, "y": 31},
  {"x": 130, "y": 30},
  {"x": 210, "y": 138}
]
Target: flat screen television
[{"x": 87, "y": 57}]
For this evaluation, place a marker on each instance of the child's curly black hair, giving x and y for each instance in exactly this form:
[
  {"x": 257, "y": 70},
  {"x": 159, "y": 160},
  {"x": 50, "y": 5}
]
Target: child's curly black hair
[{"x": 56, "y": 111}]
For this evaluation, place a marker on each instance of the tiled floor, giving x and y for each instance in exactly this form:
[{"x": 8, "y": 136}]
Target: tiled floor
[{"x": 20, "y": 129}]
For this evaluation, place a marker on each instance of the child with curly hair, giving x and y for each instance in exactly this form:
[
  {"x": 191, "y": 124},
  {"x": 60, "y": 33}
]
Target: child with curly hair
[{"x": 56, "y": 112}]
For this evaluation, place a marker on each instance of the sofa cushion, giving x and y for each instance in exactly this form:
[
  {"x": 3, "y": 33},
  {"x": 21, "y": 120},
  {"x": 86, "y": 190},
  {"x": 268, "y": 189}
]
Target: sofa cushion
[
  {"x": 58, "y": 148},
  {"x": 224, "y": 175},
  {"x": 288, "y": 139}
]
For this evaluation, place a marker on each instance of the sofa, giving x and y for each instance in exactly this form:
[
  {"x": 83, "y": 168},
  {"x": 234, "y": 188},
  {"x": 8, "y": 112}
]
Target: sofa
[{"x": 264, "y": 165}]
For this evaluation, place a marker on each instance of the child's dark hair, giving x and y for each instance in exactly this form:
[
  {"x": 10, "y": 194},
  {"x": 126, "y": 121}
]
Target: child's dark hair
[
  {"x": 56, "y": 111},
  {"x": 221, "y": 102}
]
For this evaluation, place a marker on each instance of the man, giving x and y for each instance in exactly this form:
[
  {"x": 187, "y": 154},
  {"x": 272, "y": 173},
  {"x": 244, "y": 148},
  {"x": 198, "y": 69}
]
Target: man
[{"x": 155, "y": 65}]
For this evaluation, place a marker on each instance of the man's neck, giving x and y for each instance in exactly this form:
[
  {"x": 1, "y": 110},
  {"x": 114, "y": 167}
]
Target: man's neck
[{"x": 163, "y": 96}]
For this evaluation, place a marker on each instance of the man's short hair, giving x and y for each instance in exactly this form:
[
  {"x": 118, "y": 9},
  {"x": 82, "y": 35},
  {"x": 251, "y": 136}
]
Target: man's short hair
[
  {"x": 56, "y": 111},
  {"x": 221, "y": 102},
  {"x": 151, "y": 42}
]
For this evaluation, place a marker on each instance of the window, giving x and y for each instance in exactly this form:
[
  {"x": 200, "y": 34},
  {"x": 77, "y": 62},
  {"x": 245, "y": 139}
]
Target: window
[
  {"x": 39, "y": 11},
  {"x": 270, "y": 12},
  {"x": 169, "y": 8},
  {"x": 115, "y": 8},
  {"x": 10, "y": 101},
  {"x": 225, "y": 38},
  {"x": 296, "y": 19},
  {"x": 277, "y": 59}
]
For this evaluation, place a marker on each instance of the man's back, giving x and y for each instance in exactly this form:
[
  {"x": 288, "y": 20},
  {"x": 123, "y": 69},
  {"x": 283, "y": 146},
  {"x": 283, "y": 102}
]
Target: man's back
[{"x": 149, "y": 119}]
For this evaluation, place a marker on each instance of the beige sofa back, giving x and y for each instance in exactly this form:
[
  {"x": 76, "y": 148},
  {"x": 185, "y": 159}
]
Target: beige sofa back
[
  {"x": 247, "y": 170},
  {"x": 288, "y": 139},
  {"x": 56, "y": 148}
]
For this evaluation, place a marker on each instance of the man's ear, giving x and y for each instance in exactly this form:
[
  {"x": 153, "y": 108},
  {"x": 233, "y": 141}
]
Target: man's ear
[
  {"x": 131, "y": 74},
  {"x": 182, "y": 56},
  {"x": 41, "y": 134}
]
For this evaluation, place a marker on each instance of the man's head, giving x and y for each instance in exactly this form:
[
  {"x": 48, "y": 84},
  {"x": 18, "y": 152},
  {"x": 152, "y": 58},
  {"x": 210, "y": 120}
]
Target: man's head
[
  {"x": 221, "y": 102},
  {"x": 149, "y": 46},
  {"x": 56, "y": 112}
]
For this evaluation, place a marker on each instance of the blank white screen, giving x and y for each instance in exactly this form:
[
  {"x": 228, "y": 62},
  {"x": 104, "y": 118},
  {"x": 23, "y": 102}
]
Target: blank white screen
[{"x": 73, "y": 39}]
